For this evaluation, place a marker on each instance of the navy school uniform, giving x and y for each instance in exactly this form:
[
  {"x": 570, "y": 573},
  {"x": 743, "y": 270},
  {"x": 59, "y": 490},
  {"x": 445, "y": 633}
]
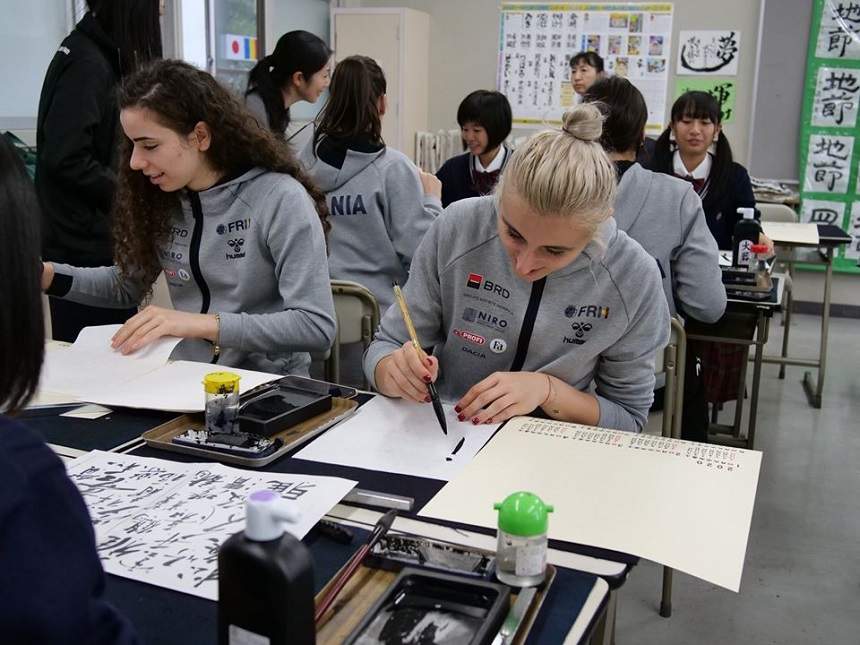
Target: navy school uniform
[
  {"x": 461, "y": 178},
  {"x": 52, "y": 584}
]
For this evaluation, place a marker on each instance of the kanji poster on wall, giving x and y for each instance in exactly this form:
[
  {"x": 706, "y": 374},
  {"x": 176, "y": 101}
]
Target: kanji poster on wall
[
  {"x": 537, "y": 41},
  {"x": 829, "y": 151},
  {"x": 708, "y": 53}
]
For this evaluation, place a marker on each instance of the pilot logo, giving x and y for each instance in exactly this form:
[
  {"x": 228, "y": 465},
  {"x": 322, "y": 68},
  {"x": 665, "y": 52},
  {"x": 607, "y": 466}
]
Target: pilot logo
[{"x": 236, "y": 245}]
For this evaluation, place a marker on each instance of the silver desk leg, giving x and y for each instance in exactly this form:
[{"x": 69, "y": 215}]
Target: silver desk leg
[
  {"x": 761, "y": 334},
  {"x": 604, "y": 633},
  {"x": 814, "y": 390}
]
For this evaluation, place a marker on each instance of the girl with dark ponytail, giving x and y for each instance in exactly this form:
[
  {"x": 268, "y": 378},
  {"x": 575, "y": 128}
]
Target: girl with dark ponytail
[
  {"x": 298, "y": 70},
  {"x": 381, "y": 204}
]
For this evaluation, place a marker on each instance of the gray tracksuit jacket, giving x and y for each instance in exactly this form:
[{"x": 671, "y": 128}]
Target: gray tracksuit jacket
[
  {"x": 595, "y": 324},
  {"x": 664, "y": 214},
  {"x": 250, "y": 249},
  {"x": 379, "y": 212}
]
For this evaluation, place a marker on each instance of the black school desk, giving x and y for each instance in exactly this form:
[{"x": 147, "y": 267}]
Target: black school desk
[
  {"x": 746, "y": 322},
  {"x": 830, "y": 237},
  {"x": 160, "y": 613}
]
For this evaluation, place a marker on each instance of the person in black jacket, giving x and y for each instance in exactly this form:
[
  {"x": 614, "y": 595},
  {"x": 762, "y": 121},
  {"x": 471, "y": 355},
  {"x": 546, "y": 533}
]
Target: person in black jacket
[
  {"x": 52, "y": 586},
  {"x": 485, "y": 122},
  {"x": 76, "y": 142}
]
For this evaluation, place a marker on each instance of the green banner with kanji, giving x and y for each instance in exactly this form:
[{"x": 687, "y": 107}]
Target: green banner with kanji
[{"x": 830, "y": 131}]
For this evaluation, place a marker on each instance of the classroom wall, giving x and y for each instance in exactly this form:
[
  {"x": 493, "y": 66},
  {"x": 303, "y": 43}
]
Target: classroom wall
[{"x": 464, "y": 51}]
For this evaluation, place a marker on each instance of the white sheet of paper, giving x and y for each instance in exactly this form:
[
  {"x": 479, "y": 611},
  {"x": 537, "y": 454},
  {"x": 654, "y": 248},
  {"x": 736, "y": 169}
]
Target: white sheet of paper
[
  {"x": 398, "y": 436},
  {"x": 90, "y": 362},
  {"x": 788, "y": 232},
  {"x": 683, "y": 504},
  {"x": 162, "y": 522},
  {"x": 175, "y": 387},
  {"x": 88, "y": 412}
]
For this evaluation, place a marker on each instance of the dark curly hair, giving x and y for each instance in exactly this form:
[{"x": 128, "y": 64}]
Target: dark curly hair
[{"x": 180, "y": 96}]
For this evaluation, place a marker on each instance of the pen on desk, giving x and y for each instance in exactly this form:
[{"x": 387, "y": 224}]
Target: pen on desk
[{"x": 413, "y": 335}]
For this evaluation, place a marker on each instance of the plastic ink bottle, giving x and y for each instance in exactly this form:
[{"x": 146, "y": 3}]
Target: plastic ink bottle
[
  {"x": 522, "y": 540},
  {"x": 265, "y": 579},
  {"x": 745, "y": 235}
]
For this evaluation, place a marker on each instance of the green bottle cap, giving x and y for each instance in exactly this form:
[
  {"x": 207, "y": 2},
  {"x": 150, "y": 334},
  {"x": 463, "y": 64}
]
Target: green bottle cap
[{"x": 523, "y": 514}]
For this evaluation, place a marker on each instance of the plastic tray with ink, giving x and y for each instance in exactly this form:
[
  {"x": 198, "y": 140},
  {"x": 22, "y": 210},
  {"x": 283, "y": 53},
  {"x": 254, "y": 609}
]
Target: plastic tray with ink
[{"x": 273, "y": 418}]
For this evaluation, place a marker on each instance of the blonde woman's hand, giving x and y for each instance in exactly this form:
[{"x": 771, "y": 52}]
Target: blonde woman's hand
[
  {"x": 503, "y": 395},
  {"x": 405, "y": 375}
]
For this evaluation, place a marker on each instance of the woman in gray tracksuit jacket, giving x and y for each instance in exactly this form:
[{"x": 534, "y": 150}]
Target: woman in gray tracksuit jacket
[
  {"x": 532, "y": 298},
  {"x": 230, "y": 220},
  {"x": 381, "y": 205}
]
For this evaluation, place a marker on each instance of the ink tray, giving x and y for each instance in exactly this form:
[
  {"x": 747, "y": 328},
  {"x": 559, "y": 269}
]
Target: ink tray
[
  {"x": 268, "y": 410},
  {"x": 442, "y": 608},
  {"x": 287, "y": 439},
  {"x": 396, "y": 551},
  {"x": 371, "y": 590}
]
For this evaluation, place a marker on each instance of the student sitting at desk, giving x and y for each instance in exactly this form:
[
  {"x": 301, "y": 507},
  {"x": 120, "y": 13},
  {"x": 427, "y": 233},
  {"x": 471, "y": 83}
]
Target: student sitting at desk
[
  {"x": 531, "y": 296},
  {"x": 695, "y": 148},
  {"x": 660, "y": 212},
  {"x": 485, "y": 122},
  {"x": 665, "y": 216},
  {"x": 298, "y": 70},
  {"x": 217, "y": 204},
  {"x": 381, "y": 204},
  {"x": 52, "y": 583}
]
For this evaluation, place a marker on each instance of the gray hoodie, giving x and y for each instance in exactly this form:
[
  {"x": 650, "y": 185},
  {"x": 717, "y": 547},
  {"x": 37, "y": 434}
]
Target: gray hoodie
[
  {"x": 596, "y": 325},
  {"x": 378, "y": 208},
  {"x": 664, "y": 214},
  {"x": 250, "y": 249}
]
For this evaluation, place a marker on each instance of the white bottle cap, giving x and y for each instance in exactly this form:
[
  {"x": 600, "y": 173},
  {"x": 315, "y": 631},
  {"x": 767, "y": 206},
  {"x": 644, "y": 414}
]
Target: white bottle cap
[
  {"x": 265, "y": 514},
  {"x": 747, "y": 212}
]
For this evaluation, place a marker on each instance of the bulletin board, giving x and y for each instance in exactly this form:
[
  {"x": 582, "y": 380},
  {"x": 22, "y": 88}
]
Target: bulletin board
[
  {"x": 830, "y": 131},
  {"x": 537, "y": 41}
]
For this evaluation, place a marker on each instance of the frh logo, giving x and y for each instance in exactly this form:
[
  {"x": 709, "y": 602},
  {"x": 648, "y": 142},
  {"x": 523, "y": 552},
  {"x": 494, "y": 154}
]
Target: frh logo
[
  {"x": 472, "y": 338},
  {"x": 477, "y": 281},
  {"x": 232, "y": 227},
  {"x": 586, "y": 311}
]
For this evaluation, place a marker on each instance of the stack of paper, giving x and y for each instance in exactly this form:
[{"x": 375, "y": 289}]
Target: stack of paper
[{"x": 90, "y": 370}]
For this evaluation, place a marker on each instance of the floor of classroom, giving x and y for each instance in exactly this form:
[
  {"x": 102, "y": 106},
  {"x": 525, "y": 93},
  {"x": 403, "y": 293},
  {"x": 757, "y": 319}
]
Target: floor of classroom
[{"x": 801, "y": 581}]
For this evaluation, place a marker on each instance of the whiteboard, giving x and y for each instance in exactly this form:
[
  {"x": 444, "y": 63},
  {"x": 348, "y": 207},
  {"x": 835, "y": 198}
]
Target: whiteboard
[{"x": 537, "y": 41}]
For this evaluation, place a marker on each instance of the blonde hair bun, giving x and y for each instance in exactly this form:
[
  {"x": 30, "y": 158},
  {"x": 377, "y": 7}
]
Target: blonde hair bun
[{"x": 583, "y": 122}]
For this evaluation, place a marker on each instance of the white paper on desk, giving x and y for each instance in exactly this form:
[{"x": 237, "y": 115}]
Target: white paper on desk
[
  {"x": 791, "y": 233},
  {"x": 162, "y": 522},
  {"x": 90, "y": 362},
  {"x": 175, "y": 387},
  {"x": 398, "y": 436},
  {"x": 683, "y": 504}
]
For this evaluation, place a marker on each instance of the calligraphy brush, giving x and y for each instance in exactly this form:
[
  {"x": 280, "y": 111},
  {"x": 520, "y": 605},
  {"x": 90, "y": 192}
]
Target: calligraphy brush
[
  {"x": 413, "y": 335},
  {"x": 352, "y": 565}
]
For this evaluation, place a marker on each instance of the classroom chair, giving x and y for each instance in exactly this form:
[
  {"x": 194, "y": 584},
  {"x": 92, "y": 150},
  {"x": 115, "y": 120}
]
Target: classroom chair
[
  {"x": 786, "y": 258},
  {"x": 671, "y": 363},
  {"x": 357, "y": 319}
]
